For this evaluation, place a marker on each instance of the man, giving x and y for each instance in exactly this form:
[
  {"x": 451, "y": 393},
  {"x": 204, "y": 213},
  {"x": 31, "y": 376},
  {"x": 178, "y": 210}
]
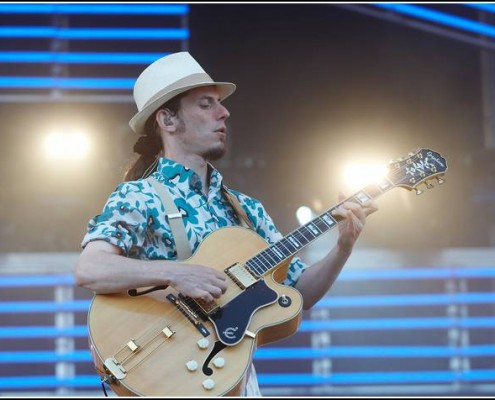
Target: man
[{"x": 131, "y": 245}]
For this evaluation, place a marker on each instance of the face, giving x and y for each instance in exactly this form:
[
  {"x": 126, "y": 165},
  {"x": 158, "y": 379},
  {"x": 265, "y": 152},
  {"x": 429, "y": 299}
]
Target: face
[{"x": 200, "y": 123}]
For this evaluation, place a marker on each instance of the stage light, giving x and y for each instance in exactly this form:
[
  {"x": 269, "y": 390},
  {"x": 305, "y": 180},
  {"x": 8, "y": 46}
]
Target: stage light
[
  {"x": 66, "y": 145},
  {"x": 357, "y": 175},
  {"x": 304, "y": 214}
]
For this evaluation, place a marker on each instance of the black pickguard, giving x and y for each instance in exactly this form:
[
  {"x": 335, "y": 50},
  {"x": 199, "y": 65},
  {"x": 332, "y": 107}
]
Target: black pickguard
[{"x": 231, "y": 320}]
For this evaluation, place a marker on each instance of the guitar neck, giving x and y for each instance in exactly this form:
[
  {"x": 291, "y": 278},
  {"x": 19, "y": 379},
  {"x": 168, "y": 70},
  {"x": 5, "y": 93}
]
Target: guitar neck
[{"x": 270, "y": 258}]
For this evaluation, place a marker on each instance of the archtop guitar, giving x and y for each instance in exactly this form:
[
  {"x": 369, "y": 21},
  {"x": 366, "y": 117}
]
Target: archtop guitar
[{"x": 162, "y": 343}]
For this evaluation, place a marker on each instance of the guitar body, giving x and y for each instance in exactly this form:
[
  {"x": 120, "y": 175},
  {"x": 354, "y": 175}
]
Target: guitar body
[{"x": 142, "y": 344}]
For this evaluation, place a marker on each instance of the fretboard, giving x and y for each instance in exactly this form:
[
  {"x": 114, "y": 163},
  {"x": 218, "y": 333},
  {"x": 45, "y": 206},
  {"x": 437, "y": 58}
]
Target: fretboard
[{"x": 270, "y": 258}]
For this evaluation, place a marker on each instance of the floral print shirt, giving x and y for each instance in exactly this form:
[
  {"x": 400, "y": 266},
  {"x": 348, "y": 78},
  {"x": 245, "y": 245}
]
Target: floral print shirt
[{"x": 133, "y": 217}]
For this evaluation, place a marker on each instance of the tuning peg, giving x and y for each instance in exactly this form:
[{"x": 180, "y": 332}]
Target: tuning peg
[
  {"x": 429, "y": 185},
  {"x": 440, "y": 180},
  {"x": 418, "y": 191}
]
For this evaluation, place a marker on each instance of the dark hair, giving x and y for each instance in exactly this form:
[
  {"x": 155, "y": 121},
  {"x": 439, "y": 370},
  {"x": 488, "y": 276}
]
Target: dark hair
[{"x": 149, "y": 144}]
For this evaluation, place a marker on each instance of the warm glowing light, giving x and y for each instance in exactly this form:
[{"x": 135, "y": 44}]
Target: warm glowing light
[
  {"x": 357, "y": 175},
  {"x": 66, "y": 145},
  {"x": 304, "y": 214}
]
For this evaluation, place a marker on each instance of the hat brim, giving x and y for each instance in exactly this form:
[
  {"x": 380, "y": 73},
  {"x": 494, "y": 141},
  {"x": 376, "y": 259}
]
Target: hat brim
[{"x": 138, "y": 121}]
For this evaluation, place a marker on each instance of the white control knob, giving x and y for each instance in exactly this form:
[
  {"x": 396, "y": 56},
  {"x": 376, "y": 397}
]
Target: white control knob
[
  {"x": 203, "y": 343},
  {"x": 219, "y": 362},
  {"x": 192, "y": 365},
  {"x": 208, "y": 384}
]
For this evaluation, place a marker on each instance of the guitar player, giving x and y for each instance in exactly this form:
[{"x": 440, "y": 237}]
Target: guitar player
[{"x": 172, "y": 197}]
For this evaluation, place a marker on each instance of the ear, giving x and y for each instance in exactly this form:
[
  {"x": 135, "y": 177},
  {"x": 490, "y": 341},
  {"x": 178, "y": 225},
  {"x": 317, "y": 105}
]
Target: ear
[{"x": 165, "y": 120}]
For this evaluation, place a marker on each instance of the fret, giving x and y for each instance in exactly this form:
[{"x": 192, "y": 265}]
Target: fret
[
  {"x": 374, "y": 190},
  {"x": 281, "y": 246},
  {"x": 330, "y": 221},
  {"x": 321, "y": 225},
  {"x": 279, "y": 254},
  {"x": 313, "y": 228},
  {"x": 291, "y": 244},
  {"x": 297, "y": 239},
  {"x": 273, "y": 255},
  {"x": 263, "y": 258},
  {"x": 255, "y": 265},
  {"x": 385, "y": 184},
  {"x": 304, "y": 230},
  {"x": 267, "y": 254},
  {"x": 361, "y": 197}
]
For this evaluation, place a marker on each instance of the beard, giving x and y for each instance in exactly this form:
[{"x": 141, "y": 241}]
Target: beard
[{"x": 215, "y": 153}]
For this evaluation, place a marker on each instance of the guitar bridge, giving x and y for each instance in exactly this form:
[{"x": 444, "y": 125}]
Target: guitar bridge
[{"x": 185, "y": 307}]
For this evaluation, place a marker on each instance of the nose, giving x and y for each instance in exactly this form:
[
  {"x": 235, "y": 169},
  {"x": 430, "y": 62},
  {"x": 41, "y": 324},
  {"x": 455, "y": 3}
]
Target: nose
[{"x": 223, "y": 112}]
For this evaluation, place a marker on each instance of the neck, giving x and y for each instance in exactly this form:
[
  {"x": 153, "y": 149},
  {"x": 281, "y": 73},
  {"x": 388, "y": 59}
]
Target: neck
[{"x": 196, "y": 163}]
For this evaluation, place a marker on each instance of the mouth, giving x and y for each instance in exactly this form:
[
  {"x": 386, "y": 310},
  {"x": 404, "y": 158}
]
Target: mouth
[{"x": 222, "y": 133}]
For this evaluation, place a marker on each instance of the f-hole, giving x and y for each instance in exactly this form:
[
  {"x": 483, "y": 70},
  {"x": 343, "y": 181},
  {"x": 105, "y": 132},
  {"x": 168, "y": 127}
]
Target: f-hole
[{"x": 219, "y": 346}]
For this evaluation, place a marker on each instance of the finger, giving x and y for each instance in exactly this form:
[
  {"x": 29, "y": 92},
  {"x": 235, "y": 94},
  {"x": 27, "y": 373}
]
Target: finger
[
  {"x": 205, "y": 296},
  {"x": 215, "y": 291},
  {"x": 222, "y": 285},
  {"x": 219, "y": 274},
  {"x": 370, "y": 207}
]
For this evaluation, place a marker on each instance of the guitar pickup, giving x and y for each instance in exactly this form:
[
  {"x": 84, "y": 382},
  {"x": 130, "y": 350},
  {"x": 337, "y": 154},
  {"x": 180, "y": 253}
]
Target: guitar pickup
[{"x": 241, "y": 275}]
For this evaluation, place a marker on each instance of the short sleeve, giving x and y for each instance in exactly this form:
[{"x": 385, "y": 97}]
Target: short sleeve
[{"x": 123, "y": 221}]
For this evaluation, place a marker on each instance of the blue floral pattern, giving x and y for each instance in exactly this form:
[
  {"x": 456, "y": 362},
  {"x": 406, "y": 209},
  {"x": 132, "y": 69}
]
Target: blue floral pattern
[{"x": 133, "y": 217}]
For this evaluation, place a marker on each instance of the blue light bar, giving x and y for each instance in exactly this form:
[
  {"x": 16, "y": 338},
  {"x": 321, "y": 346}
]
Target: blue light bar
[
  {"x": 17, "y": 332},
  {"x": 44, "y": 356},
  {"x": 131, "y": 9},
  {"x": 16, "y": 382},
  {"x": 79, "y": 58},
  {"x": 481, "y": 6},
  {"x": 66, "y": 83},
  {"x": 292, "y": 353},
  {"x": 15, "y": 307},
  {"x": 442, "y": 18},
  {"x": 418, "y": 273},
  {"x": 397, "y": 323},
  {"x": 36, "y": 280},
  {"x": 94, "y": 33},
  {"x": 337, "y": 378},
  {"x": 407, "y": 300}
]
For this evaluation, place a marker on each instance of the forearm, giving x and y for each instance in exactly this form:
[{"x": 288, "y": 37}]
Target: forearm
[
  {"x": 106, "y": 272},
  {"x": 103, "y": 269},
  {"x": 317, "y": 279}
]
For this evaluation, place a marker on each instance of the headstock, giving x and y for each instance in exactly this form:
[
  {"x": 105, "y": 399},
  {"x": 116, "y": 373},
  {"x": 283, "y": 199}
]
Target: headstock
[{"x": 421, "y": 167}]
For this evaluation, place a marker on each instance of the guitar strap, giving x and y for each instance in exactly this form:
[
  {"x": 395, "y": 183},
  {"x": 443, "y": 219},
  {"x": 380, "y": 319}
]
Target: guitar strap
[
  {"x": 241, "y": 214},
  {"x": 175, "y": 221}
]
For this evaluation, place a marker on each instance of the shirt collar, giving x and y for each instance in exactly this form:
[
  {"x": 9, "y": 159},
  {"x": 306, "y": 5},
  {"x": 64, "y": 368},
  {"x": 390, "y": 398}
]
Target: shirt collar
[{"x": 178, "y": 174}]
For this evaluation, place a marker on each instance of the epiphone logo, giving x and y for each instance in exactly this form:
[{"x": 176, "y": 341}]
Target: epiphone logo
[
  {"x": 422, "y": 165},
  {"x": 230, "y": 332}
]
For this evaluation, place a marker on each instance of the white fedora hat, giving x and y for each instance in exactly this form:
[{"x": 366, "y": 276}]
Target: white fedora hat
[{"x": 166, "y": 78}]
